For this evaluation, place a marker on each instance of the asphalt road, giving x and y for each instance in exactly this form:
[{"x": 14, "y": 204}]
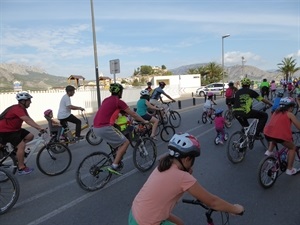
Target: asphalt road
[{"x": 60, "y": 201}]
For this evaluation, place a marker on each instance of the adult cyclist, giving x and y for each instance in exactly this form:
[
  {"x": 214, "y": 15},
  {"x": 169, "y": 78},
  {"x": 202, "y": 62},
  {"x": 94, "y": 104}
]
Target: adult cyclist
[
  {"x": 242, "y": 107},
  {"x": 156, "y": 95},
  {"x": 11, "y": 128},
  {"x": 265, "y": 88},
  {"x": 103, "y": 128},
  {"x": 169, "y": 181}
]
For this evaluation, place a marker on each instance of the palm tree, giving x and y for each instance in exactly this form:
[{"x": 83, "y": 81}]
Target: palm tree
[
  {"x": 288, "y": 67},
  {"x": 214, "y": 72}
]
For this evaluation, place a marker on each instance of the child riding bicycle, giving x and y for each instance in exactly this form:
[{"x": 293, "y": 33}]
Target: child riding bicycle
[
  {"x": 208, "y": 105},
  {"x": 220, "y": 123}
]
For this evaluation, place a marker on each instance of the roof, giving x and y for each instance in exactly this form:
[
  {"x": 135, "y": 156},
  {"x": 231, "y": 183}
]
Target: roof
[{"x": 73, "y": 77}]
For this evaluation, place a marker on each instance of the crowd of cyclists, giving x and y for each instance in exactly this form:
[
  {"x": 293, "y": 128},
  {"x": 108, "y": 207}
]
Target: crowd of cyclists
[{"x": 173, "y": 176}]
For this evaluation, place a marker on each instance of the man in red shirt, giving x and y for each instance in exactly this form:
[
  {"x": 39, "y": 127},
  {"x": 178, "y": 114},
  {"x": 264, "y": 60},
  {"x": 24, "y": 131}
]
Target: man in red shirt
[
  {"x": 103, "y": 127},
  {"x": 11, "y": 129}
]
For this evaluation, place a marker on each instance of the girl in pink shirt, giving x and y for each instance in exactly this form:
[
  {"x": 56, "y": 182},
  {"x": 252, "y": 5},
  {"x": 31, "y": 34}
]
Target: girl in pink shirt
[
  {"x": 220, "y": 124},
  {"x": 154, "y": 203}
]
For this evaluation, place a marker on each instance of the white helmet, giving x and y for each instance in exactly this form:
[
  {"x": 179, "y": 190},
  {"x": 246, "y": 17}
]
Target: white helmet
[
  {"x": 23, "y": 96},
  {"x": 144, "y": 92}
]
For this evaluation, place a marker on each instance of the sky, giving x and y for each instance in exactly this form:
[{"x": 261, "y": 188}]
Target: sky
[{"x": 57, "y": 35}]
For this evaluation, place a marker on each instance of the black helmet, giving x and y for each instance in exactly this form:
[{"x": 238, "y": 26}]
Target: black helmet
[
  {"x": 230, "y": 84},
  {"x": 70, "y": 88},
  {"x": 162, "y": 83},
  {"x": 149, "y": 83},
  {"x": 115, "y": 88},
  {"x": 183, "y": 145}
]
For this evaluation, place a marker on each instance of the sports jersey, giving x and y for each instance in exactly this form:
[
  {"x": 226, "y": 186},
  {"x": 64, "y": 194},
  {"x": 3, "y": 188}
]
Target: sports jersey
[
  {"x": 12, "y": 121},
  {"x": 107, "y": 109},
  {"x": 141, "y": 107},
  {"x": 157, "y": 93},
  {"x": 244, "y": 98}
]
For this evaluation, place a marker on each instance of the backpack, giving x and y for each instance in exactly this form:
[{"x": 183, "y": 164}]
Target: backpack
[
  {"x": 3, "y": 114},
  {"x": 229, "y": 93}
]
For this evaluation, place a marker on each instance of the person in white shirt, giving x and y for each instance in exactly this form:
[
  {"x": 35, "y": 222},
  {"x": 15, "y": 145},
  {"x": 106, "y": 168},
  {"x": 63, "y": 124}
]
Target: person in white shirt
[{"x": 64, "y": 112}]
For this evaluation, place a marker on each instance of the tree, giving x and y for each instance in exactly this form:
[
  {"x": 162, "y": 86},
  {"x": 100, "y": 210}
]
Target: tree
[
  {"x": 288, "y": 67},
  {"x": 163, "y": 67},
  {"x": 210, "y": 73},
  {"x": 146, "y": 70}
]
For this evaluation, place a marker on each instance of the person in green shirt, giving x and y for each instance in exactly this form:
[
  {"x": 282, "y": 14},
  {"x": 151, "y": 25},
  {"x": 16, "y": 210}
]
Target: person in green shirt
[{"x": 265, "y": 88}]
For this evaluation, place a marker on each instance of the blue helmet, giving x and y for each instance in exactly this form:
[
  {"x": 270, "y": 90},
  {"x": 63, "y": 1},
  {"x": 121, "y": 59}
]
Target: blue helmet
[{"x": 218, "y": 111}]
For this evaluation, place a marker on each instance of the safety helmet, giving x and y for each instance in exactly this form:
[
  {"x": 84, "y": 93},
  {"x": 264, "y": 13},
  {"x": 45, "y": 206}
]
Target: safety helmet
[
  {"x": 218, "y": 111},
  {"x": 47, "y": 112},
  {"x": 246, "y": 82},
  {"x": 209, "y": 94},
  {"x": 183, "y": 145},
  {"x": 162, "y": 83},
  {"x": 264, "y": 80},
  {"x": 149, "y": 83},
  {"x": 116, "y": 88},
  {"x": 70, "y": 88},
  {"x": 230, "y": 84},
  {"x": 280, "y": 94},
  {"x": 144, "y": 92},
  {"x": 287, "y": 102},
  {"x": 23, "y": 96}
]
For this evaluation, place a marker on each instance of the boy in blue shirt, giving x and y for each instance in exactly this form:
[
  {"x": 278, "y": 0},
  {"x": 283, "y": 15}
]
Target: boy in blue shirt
[{"x": 276, "y": 101}]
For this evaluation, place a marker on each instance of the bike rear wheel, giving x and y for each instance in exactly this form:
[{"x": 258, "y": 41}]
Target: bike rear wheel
[
  {"x": 236, "y": 148},
  {"x": 53, "y": 159},
  {"x": 144, "y": 154},
  {"x": 9, "y": 191},
  {"x": 174, "y": 119},
  {"x": 92, "y": 138},
  {"x": 204, "y": 117},
  {"x": 92, "y": 173},
  {"x": 267, "y": 172},
  {"x": 167, "y": 133}
]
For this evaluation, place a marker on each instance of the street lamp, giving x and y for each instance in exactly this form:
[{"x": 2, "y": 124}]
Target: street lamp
[
  {"x": 224, "y": 36},
  {"x": 243, "y": 63}
]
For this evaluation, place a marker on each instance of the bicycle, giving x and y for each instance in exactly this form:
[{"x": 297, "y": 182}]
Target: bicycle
[
  {"x": 271, "y": 167},
  {"x": 205, "y": 117},
  {"x": 229, "y": 117},
  {"x": 218, "y": 138},
  {"x": 52, "y": 158},
  {"x": 65, "y": 136},
  {"x": 209, "y": 212},
  {"x": 240, "y": 141},
  {"x": 93, "y": 171},
  {"x": 172, "y": 116},
  {"x": 167, "y": 131},
  {"x": 296, "y": 107},
  {"x": 9, "y": 190}
]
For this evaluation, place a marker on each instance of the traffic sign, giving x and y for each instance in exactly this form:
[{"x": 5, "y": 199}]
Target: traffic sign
[{"x": 114, "y": 66}]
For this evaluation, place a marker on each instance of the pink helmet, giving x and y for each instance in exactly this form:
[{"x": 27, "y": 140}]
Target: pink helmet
[
  {"x": 209, "y": 94},
  {"x": 47, "y": 112}
]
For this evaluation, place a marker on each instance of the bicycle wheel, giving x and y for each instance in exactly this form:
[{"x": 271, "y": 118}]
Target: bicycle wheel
[
  {"x": 9, "y": 190},
  {"x": 217, "y": 140},
  {"x": 204, "y": 117},
  {"x": 267, "y": 172},
  {"x": 144, "y": 154},
  {"x": 91, "y": 173},
  {"x": 174, "y": 119},
  {"x": 296, "y": 108},
  {"x": 167, "y": 133},
  {"x": 236, "y": 148},
  {"x": 92, "y": 138},
  {"x": 9, "y": 163},
  {"x": 53, "y": 159}
]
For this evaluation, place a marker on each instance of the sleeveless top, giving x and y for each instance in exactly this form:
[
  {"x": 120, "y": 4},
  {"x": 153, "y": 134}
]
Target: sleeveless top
[{"x": 279, "y": 127}]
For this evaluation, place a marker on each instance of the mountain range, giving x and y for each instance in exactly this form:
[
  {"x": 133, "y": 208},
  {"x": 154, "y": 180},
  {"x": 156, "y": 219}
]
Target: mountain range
[{"x": 34, "y": 78}]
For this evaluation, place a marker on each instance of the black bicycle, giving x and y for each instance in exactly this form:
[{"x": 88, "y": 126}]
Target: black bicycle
[
  {"x": 9, "y": 190},
  {"x": 93, "y": 172},
  {"x": 209, "y": 212}
]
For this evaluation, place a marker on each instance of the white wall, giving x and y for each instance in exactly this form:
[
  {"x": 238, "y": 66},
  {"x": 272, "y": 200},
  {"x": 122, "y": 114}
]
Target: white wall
[{"x": 84, "y": 98}]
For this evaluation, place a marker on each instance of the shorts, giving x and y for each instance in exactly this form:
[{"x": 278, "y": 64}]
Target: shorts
[
  {"x": 132, "y": 221},
  {"x": 147, "y": 117},
  {"x": 229, "y": 101},
  {"x": 111, "y": 135},
  {"x": 14, "y": 137},
  {"x": 268, "y": 138},
  {"x": 155, "y": 102}
]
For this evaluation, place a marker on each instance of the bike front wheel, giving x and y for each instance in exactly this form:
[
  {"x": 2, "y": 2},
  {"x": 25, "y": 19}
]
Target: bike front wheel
[
  {"x": 174, "y": 119},
  {"x": 267, "y": 172},
  {"x": 9, "y": 190},
  {"x": 92, "y": 138},
  {"x": 167, "y": 133},
  {"x": 53, "y": 159},
  {"x": 92, "y": 173},
  {"x": 9, "y": 163},
  {"x": 144, "y": 154},
  {"x": 237, "y": 146}
]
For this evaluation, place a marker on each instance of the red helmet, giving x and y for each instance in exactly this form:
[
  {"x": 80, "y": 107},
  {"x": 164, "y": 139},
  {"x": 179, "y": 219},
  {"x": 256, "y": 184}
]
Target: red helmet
[{"x": 47, "y": 112}]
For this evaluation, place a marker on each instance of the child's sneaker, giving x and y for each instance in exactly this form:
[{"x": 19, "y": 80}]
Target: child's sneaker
[
  {"x": 268, "y": 153},
  {"x": 221, "y": 142},
  {"x": 25, "y": 170},
  {"x": 293, "y": 171}
]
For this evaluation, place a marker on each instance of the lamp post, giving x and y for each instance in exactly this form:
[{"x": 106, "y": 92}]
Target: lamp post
[
  {"x": 95, "y": 55},
  {"x": 243, "y": 63},
  {"x": 224, "y": 36}
]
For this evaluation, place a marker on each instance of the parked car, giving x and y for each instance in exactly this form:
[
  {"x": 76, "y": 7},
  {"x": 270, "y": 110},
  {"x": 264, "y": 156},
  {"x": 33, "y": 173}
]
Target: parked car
[{"x": 215, "y": 88}]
